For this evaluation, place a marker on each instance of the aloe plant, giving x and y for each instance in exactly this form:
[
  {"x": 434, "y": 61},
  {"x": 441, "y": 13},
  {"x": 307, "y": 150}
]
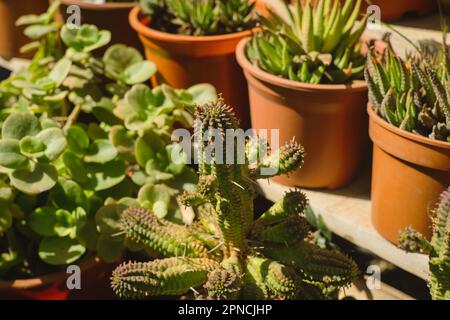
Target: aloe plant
[
  {"x": 411, "y": 93},
  {"x": 316, "y": 44},
  {"x": 200, "y": 17},
  {"x": 81, "y": 136},
  {"x": 438, "y": 248},
  {"x": 226, "y": 253}
]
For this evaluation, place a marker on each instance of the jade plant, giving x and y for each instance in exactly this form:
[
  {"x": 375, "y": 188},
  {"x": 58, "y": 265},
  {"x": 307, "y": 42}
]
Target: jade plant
[
  {"x": 69, "y": 157},
  {"x": 200, "y": 17},
  {"x": 411, "y": 93},
  {"x": 438, "y": 248},
  {"x": 225, "y": 253},
  {"x": 315, "y": 44}
]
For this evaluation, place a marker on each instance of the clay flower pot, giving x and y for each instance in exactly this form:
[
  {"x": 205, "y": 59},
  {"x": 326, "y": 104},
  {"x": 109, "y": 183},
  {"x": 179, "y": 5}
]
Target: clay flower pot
[
  {"x": 110, "y": 16},
  {"x": 330, "y": 121},
  {"x": 12, "y": 37},
  {"x": 94, "y": 283},
  {"x": 409, "y": 174},
  {"x": 395, "y": 9},
  {"x": 184, "y": 60}
]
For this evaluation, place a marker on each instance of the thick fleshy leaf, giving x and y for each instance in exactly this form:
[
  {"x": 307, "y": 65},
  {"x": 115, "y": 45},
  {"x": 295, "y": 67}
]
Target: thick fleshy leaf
[
  {"x": 6, "y": 192},
  {"x": 37, "y": 31},
  {"x": 69, "y": 195},
  {"x": 105, "y": 176},
  {"x": 140, "y": 98},
  {"x": 10, "y": 156},
  {"x": 101, "y": 151},
  {"x": 32, "y": 147},
  {"x": 107, "y": 219},
  {"x": 122, "y": 140},
  {"x": 202, "y": 93},
  {"x": 37, "y": 179},
  {"x": 139, "y": 72},
  {"x": 147, "y": 147},
  {"x": 43, "y": 221},
  {"x": 60, "y": 71},
  {"x": 118, "y": 58},
  {"x": 19, "y": 125},
  {"x": 78, "y": 139},
  {"x": 103, "y": 39},
  {"x": 54, "y": 141},
  {"x": 156, "y": 198},
  {"x": 60, "y": 251},
  {"x": 75, "y": 167}
]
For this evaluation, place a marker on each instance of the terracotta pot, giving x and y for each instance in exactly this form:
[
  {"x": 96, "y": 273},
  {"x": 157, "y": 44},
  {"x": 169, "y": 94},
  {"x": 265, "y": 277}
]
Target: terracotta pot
[
  {"x": 409, "y": 174},
  {"x": 330, "y": 121},
  {"x": 187, "y": 60},
  {"x": 109, "y": 16},
  {"x": 12, "y": 37},
  {"x": 94, "y": 284},
  {"x": 395, "y": 9}
]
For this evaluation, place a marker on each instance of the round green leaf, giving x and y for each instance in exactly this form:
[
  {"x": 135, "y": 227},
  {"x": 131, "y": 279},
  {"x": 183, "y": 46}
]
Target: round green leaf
[
  {"x": 118, "y": 58},
  {"x": 10, "y": 156},
  {"x": 60, "y": 251},
  {"x": 77, "y": 139},
  {"x": 147, "y": 147},
  {"x": 139, "y": 72},
  {"x": 54, "y": 141},
  {"x": 75, "y": 167},
  {"x": 60, "y": 71},
  {"x": 107, "y": 219},
  {"x": 19, "y": 125},
  {"x": 43, "y": 221},
  {"x": 35, "y": 180},
  {"x": 101, "y": 151},
  {"x": 32, "y": 147},
  {"x": 104, "y": 176},
  {"x": 202, "y": 93},
  {"x": 69, "y": 195},
  {"x": 65, "y": 224},
  {"x": 156, "y": 197}
]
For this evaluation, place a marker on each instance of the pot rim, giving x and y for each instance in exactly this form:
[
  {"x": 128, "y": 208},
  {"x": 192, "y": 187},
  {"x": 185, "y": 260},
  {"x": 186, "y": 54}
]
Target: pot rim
[
  {"x": 290, "y": 84},
  {"x": 100, "y": 6},
  {"x": 25, "y": 284},
  {"x": 144, "y": 30},
  {"x": 405, "y": 134}
]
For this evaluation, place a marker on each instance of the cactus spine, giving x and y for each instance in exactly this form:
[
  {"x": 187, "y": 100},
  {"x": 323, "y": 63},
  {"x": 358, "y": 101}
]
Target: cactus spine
[
  {"x": 266, "y": 258},
  {"x": 438, "y": 248}
]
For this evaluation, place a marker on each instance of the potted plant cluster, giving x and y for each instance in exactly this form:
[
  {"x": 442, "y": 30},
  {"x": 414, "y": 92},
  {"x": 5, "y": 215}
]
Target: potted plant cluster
[
  {"x": 111, "y": 15},
  {"x": 81, "y": 137},
  {"x": 305, "y": 77},
  {"x": 225, "y": 253},
  {"x": 194, "y": 41},
  {"x": 410, "y": 127}
]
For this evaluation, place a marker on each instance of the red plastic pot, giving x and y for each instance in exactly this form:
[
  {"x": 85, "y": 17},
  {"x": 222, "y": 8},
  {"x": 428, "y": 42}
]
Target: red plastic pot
[
  {"x": 330, "y": 121},
  {"x": 94, "y": 284},
  {"x": 409, "y": 173},
  {"x": 184, "y": 60}
]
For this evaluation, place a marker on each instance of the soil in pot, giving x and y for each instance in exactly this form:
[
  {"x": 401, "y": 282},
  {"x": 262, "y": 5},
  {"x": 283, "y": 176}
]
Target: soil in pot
[
  {"x": 12, "y": 37},
  {"x": 183, "y": 61},
  {"x": 110, "y": 16},
  {"x": 94, "y": 284},
  {"x": 330, "y": 122},
  {"x": 409, "y": 174}
]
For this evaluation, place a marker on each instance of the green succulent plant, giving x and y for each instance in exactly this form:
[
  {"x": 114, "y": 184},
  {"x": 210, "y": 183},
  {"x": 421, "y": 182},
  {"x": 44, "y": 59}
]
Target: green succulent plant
[
  {"x": 411, "y": 94},
  {"x": 200, "y": 17},
  {"x": 69, "y": 163},
  {"x": 316, "y": 44},
  {"x": 225, "y": 253},
  {"x": 438, "y": 248}
]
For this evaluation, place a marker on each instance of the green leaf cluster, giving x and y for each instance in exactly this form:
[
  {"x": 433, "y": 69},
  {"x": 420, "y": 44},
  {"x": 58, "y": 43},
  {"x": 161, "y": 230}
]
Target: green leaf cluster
[{"x": 316, "y": 44}]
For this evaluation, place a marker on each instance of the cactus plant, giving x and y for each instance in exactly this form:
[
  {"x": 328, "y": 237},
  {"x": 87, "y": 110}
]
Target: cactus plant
[
  {"x": 316, "y": 44},
  {"x": 225, "y": 249},
  {"x": 438, "y": 248},
  {"x": 200, "y": 17},
  {"x": 411, "y": 93}
]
